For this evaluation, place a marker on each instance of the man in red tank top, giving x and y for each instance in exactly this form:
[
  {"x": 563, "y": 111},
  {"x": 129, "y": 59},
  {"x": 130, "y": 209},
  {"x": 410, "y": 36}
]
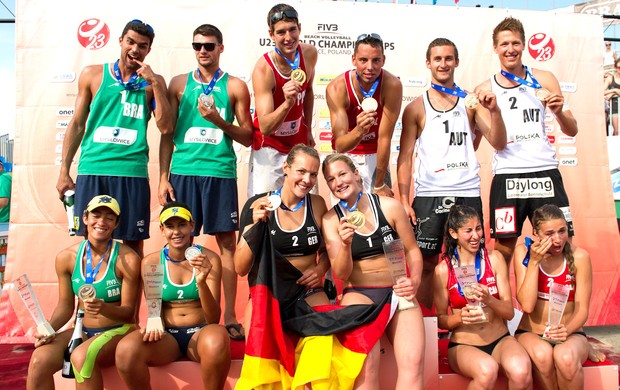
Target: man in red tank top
[
  {"x": 283, "y": 99},
  {"x": 364, "y": 105}
]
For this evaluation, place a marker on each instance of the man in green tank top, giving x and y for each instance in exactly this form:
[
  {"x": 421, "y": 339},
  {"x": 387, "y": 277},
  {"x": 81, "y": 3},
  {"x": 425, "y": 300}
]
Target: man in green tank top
[
  {"x": 112, "y": 109},
  {"x": 198, "y": 164}
]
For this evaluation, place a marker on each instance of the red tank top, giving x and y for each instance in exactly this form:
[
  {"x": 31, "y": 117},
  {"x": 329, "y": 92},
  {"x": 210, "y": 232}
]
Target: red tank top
[
  {"x": 368, "y": 144},
  {"x": 293, "y": 129},
  {"x": 544, "y": 282},
  {"x": 458, "y": 301}
]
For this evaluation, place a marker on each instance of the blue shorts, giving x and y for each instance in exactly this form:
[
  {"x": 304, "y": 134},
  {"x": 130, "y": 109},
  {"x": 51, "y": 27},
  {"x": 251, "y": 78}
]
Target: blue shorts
[
  {"x": 133, "y": 195},
  {"x": 92, "y": 332},
  {"x": 213, "y": 201},
  {"x": 183, "y": 334}
]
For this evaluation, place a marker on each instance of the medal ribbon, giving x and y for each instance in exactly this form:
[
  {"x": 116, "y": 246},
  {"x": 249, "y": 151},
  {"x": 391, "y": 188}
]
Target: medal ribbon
[
  {"x": 528, "y": 245},
  {"x": 533, "y": 84},
  {"x": 130, "y": 85},
  {"x": 90, "y": 272},
  {"x": 457, "y": 91},
  {"x": 372, "y": 89},
  {"x": 168, "y": 258},
  {"x": 295, "y": 64},
  {"x": 477, "y": 265},
  {"x": 211, "y": 84},
  {"x": 344, "y": 204},
  {"x": 285, "y": 207}
]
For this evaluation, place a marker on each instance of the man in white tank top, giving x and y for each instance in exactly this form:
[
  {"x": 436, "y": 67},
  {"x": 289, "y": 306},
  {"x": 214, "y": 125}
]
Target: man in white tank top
[
  {"x": 444, "y": 125},
  {"x": 526, "y": 174}
]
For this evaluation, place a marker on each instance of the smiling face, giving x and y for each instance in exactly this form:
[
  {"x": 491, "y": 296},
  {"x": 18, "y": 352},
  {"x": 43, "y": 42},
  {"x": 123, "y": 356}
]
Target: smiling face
[
  {"x": 178, "y": 232},
  {"x": 368, "y": 61},
  {"x": 509, "y": 48},
  {"x": 442, "y": 62},
  {"x": 342, "y": 180},
  {"x": 134, "y": 47},
  {"x": 468, "y": 236},
  {"x": 557, "y": 231},
  {"x": 285, "y": 33},
  {"x": 301, "y": 174},
  {"x": 100, "y": 223}
]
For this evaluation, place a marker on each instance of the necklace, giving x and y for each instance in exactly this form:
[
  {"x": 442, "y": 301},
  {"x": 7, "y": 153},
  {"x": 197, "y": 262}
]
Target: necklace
[{"x": 168, "y": 258}]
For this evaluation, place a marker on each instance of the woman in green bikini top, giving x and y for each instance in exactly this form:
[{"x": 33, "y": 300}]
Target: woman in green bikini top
[
  {"x": 190, "y": 309},
  {"x": 105, "y": 276}
]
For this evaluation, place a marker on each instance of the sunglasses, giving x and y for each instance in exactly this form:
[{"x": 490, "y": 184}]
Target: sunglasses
[
  {"x": 280, "y": 15},
  {"x": 148, "y": 26},
  {"x": 369, "y": 36},
  {"x": 209, "y": 46}
]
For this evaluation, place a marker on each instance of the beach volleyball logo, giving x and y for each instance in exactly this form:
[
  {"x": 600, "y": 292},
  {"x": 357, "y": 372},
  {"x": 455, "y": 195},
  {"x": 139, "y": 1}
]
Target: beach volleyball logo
[
  {"x": 541, "y": 47},
  {"x": 93, "y": 34}
]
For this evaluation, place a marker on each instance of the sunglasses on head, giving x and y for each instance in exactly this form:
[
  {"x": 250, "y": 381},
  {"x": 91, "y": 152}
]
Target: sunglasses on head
[
  {"x": 148, "y": 26},
  {"x": 208, "y": 46},
  {"x": 280, "y": 15},
  {"x": 367, "y": 36}
]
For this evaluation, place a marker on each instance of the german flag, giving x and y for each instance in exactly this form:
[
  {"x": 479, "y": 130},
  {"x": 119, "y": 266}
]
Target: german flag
[{"x": 290, "y": 343}]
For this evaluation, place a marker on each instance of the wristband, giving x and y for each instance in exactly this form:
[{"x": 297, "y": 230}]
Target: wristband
[{"x": 378, "y": 188}]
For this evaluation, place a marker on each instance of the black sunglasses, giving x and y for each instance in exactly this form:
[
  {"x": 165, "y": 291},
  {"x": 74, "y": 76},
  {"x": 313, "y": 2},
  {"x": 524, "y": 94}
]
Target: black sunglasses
[
  {"x": 209, "y": 46},
  {"x": 286, "y": 14},
  {"x": 369, "y": 36},
  {"x": 148, "y": 26}
]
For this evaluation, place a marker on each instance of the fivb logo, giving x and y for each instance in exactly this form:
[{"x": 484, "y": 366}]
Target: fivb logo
[{"x": 327, "y": 27}]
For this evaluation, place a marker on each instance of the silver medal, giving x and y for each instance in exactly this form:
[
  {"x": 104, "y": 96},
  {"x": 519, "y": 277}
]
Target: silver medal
[
  {"x": 86, "y": 291},
  {"x": 275, "y": 202},
  {"x": 192, "y": 252},
  {"x": 369, "y": 104},
  {"x": 207, "y": 100}
]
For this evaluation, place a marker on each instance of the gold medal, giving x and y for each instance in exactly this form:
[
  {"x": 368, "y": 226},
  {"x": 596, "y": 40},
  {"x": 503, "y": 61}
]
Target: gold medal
[
  {"x": 471, "y": 101},
  {"x": 275, "y": 202},
  {"x": 542, "y": 93},
  {"x": 369, "y": 104},
  {"x": 357, "y": 219},
  {"x": 298, "y": 75},
  {"x": 86, "y": 291}
]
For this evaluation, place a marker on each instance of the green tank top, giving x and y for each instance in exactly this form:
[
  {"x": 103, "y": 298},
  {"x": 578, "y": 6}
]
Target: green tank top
[
  {"x": 201, "y": 148},
  {"x": 109, "y": 287},
  {"x": 114, "y": 143},
  {"x": 172, "y": 292}
]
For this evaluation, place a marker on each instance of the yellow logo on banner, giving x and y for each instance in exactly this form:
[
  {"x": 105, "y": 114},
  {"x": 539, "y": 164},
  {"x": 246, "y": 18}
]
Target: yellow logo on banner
[
  {"x": 325, "y": 79},
  {"x": 324, "y": 113},
  {"x": 325, "y": 148}
]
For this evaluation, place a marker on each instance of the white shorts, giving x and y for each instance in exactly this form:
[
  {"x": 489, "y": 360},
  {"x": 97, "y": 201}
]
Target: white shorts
[{"x": 265, "y": 172}]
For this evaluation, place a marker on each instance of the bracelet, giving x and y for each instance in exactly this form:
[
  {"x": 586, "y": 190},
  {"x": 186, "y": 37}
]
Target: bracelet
[{"x": 378, "y": 188}]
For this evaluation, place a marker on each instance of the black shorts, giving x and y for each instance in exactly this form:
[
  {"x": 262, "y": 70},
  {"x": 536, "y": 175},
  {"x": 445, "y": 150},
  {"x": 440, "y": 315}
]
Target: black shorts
[
  {"x": 514, "y": 197},
  {"x": 488, "y": 349},
  {"x": 213, "y": 201},
  {"x": 183, "y": 334},
  {"x": 613, "y": 105},
  {"x": 133, "y": 195},
  {"x": 431, "y": 215}
]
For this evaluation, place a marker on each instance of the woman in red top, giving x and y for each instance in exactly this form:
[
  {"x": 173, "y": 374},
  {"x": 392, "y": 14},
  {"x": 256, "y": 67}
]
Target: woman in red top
[
  {"x": 477, "y": 350},
  {"x": 553, "y": 258}
]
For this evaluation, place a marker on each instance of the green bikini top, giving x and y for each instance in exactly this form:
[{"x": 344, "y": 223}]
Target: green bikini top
[{"x": 109, "y": 287}]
